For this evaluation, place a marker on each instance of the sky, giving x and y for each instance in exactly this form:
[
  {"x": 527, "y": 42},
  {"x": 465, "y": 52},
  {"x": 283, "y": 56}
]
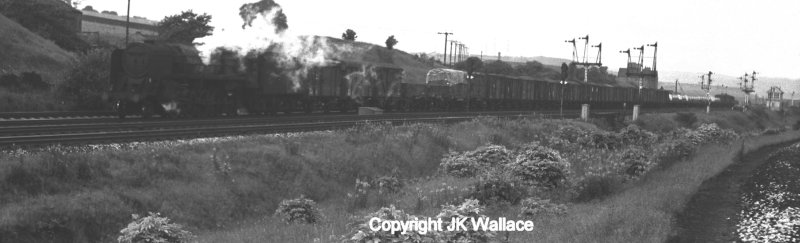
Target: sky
[{"x": 724, "y": 36}]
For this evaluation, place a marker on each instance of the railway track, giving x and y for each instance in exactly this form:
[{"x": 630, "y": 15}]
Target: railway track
[
  {"x": 37, "y": 132},
  {"x": 43, "y": 132}
]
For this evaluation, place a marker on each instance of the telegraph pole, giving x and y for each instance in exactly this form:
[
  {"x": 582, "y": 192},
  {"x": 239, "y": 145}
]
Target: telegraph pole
[
  {"x": 444, "y": 55},
  {"x": 452, "y": 50},
  {"x": 127, "y": 23}
]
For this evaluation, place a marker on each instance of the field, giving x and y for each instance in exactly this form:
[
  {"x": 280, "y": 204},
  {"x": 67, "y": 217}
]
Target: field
[{"x": 228, "y": 189}]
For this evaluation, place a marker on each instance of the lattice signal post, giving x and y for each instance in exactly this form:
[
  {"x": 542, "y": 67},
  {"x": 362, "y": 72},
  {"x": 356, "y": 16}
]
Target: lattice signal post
[
  {"x": 584, "y": 62},
  {"x": 706, "y": 85},
  {"x": 748, "y": 86}
]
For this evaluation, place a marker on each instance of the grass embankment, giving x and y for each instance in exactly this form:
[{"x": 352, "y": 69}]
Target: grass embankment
[
  {"x": 86, "y": 194},
  {"x": 645, "y": 211}
]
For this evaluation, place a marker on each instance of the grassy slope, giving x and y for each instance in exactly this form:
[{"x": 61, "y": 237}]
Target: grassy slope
[
  {"x": 645, "y": 212},
  {"x": 415, "y": 71},
  {"x": 25, "y": 51}
]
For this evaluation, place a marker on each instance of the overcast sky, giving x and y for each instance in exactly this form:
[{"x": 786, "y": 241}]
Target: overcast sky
[{"x": 729, "y": 37}]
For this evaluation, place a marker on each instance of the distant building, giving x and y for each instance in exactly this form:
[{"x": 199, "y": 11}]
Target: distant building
[
  {"x": 110, "y": 28},
  {"x": 634, "y": 72},
  {"x": 774, "y": 98}
]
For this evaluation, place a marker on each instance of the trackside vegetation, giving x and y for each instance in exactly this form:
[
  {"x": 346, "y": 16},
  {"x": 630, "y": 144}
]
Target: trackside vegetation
[{"x": 621, "y": 184}]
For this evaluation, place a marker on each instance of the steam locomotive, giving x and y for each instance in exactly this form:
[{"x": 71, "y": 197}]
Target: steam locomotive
[{"x": 171, "y": 80}]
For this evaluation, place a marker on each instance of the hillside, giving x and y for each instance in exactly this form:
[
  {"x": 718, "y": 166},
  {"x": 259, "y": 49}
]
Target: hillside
[
  {"x": 24, "y": 51},
  {"x": 353, "y": 51}
]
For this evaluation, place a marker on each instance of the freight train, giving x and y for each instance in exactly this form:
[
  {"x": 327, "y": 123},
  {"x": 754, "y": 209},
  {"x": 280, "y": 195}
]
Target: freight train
[{"x": 171, "y": 80}]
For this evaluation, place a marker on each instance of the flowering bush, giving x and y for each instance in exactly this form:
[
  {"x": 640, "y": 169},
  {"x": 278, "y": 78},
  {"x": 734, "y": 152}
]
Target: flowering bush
[
  {"x": 471, "y": 162},
  {"x": 299, "y": 210},
  {"x": 636, "y": 161},
  {"x": 540, "y": 165},
  {"x": 633, "y": 134},
  {"x": 460, "y": 164},
  {"x": 532, "y": 207},
  {"x": 471, "y": 208},
  {"x": 153, "y": 228},
  {"x": 362, "y": 233},
  {"x": 711, "y": 133}
]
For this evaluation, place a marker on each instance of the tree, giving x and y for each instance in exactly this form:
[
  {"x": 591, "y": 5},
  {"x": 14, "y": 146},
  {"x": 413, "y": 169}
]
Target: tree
[
  {"x": 89, "y": 8},
  {"x": 499, "y": 67},
  {"x": 185, "y": 27},
  {"x": 53, "y": 20},
  {"x": 349, "y": 34},
  {"x": 390, "y": 42},
  {"x": 473, "y": 64}
]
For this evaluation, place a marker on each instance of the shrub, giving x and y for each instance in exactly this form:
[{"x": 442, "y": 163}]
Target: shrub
[
  {"x": 796, "y": 125},
  {"x": 497, "y": 188},
  {"x": 686, "y": 119},
  {"x": 636, "y": 161},
  {"x": 533, "y": 207},
  {"x": 602, "y": 139},
  {"x": 711, "y": 133},
  {"x": 153, "y": 228},
  {"x": 362, "y": 233},
  {"x": 469, "y": 209},
  {"x": 632, "y": 134},
  {"x": 299, "y": 210},
  {"x": 459, "y": 165},
  {"x": 540, "y": 165},
  {"x": 571, "y": 133},
  {"x": 470, "y": 163},
  {"x": 86, "y": 83}
]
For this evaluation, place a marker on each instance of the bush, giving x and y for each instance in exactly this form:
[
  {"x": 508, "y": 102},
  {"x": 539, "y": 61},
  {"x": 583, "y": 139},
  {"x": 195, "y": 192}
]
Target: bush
[
  {"x": 534, "y": 207},
  {"x": 571, "y": 133},
  {"x": 602, "y": 139},
  {"x": 711, "y": 133},
  {"x": 540, "y": 165},
  {"x": 362, "y": 233},
  {"x": 686, "y": 119},
  {"x": 497, "y": 188},
  {"x": 153, "y": 228},
  {"x": 796, "y": 126},
  {"x": 299, "y": 210},
  {"x": 87, "y": 82},
  {"x": 632, "y": 134},
  {"x": 472, "y": 162},
  {"x": 636, "y": 161},
  {"x": 469, "y": 209}
]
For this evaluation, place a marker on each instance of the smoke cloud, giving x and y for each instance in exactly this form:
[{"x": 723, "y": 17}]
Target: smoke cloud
[{"x": 251, "y": 11}]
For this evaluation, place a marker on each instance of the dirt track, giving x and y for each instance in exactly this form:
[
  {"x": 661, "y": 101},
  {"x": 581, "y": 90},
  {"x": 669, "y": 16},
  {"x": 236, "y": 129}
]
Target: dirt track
[{"x": 711, "y": 214}]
